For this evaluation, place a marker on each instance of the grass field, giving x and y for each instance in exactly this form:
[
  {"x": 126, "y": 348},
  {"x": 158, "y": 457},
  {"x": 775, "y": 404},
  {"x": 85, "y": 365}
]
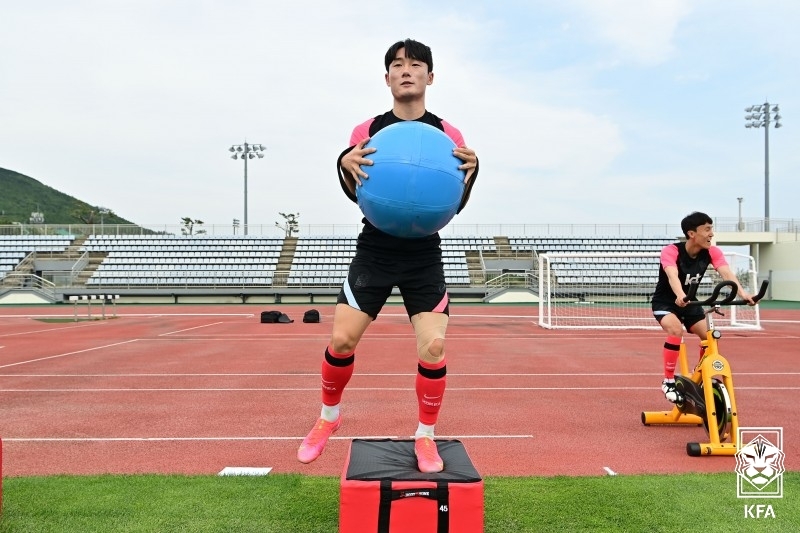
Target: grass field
[{"x": 294, "y": 503}]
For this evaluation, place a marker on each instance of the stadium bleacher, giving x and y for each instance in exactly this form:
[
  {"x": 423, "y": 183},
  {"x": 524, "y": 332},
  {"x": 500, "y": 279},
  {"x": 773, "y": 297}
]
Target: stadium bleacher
[
  {"x": 590, "y": 244},
  {"x": 164, "y": 261},
  {"x": 183, "y": 261},
  {"x": 35, "y": 243},
  {"x": 616, "y": 261},
  {"x": 324, "y": 261},
  {"x": 10, "y": 259},
  {"x": 15, "y": 248},
  {"x": 321, "y": 261}
]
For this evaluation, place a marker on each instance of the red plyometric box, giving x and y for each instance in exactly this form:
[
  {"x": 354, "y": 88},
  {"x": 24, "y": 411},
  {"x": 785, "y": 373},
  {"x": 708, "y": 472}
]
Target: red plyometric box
[{"x": 382, "y": 491}]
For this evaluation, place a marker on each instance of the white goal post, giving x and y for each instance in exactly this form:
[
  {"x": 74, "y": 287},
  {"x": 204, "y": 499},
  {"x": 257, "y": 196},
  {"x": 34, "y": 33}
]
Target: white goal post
[{"x": 613, "y": 290}]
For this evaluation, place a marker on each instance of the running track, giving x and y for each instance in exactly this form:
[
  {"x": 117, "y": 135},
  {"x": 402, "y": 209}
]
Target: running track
[{"x": 193, "y": 389}]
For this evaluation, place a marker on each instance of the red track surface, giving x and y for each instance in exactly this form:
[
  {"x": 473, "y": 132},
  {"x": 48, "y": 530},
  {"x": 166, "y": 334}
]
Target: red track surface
[{"x": 192, "y": 389}]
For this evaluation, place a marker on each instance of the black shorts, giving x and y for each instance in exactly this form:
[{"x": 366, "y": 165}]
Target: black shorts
[
  {"x": 689, "y": 316},
  {"x": 372, "y": 277}
]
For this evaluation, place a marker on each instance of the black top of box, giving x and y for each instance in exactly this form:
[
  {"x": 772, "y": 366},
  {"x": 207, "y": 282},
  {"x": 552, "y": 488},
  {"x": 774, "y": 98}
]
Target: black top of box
[{"x": 376, "y": 459}]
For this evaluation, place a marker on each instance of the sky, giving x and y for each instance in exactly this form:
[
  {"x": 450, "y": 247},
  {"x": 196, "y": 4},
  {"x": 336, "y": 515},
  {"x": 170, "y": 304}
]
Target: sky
[{"x": 580, "y": 111}]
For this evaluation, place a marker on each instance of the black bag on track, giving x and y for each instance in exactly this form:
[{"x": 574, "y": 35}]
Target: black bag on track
[
  {"x": 272, "y": 317},
  {"x": 311, "y": 316}
]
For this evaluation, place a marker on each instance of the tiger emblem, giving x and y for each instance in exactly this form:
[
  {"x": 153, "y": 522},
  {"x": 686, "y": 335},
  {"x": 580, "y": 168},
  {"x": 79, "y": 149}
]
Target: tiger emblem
[{"x": 760, "y": 462}]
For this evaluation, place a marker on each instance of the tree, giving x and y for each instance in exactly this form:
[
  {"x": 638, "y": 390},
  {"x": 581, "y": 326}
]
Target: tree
[
  {"x": 291, "y": 224},
  {"x": 191, "y": 227},
  {"x": 91, "y": 215},
  {"x": 84, "y": 213}
]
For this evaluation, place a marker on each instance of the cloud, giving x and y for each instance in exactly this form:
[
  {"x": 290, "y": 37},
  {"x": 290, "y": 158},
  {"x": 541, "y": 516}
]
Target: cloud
[
  {"x": 579, "y": 110},
  {"x": 638, "y": 32}
]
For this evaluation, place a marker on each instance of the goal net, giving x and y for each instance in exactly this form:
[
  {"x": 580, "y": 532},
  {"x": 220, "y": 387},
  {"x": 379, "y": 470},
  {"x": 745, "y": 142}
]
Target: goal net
[{"x": 613, "y": 290}]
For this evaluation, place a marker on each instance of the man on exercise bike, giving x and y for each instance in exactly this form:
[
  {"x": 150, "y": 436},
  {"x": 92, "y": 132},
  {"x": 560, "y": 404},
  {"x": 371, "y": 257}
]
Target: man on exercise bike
[{"x": 684, "y": 264}]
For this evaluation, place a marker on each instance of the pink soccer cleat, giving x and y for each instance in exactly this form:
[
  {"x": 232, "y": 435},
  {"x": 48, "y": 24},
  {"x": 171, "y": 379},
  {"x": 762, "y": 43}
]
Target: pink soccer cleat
[
  {"x": 428, "y": 460},
  {"x": 315, "y": 441}
]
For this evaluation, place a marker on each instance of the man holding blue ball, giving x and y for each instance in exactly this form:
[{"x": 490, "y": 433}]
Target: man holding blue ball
[{"x": 385, "y": 261}]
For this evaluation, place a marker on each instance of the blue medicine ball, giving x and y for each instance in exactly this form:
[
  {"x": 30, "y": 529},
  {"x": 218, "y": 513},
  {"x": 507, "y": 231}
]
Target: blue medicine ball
[{"x": 414, "y": 186}]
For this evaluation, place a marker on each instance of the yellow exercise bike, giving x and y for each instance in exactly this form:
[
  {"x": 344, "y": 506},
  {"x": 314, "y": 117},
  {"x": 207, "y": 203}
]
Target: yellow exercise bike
[{"x": 706, "y": 397}]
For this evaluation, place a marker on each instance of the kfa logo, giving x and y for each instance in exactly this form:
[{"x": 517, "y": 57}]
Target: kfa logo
[
  {"x": 759, "y": 463},
  {"x": 759, "y": 511},
  {"x": 692, "y": 280}
]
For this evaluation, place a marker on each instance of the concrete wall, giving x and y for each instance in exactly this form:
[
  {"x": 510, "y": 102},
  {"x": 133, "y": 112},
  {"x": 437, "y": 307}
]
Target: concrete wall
[
  {"x": 22, "y": 298},
  {"x": 520, "y": 265},
  {"x": 780, "y": 263},
  {"x": 54, "y": 265},
  {"x": 513, "y": 295},
  {"x": 777, "y": 256}
]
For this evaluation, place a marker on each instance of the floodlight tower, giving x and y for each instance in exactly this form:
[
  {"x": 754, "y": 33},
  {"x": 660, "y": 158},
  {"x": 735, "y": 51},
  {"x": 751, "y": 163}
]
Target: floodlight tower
[
  {"x": 246, "y": 151},
  {"x": 764, "y": 116}
]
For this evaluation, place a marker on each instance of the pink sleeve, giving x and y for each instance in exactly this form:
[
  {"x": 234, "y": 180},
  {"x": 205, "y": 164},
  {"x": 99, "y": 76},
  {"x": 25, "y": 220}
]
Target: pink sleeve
[
  {"x": 360, "y": 132},
  {"x": 453, "y": 133},
  {"x": 669, "y": 256},
  {"x": 717, "y": 257}
]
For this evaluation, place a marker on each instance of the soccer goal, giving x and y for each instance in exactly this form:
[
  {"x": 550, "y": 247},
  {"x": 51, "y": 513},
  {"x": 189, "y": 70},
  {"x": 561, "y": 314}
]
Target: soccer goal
[{"x": 613, "y": 290}]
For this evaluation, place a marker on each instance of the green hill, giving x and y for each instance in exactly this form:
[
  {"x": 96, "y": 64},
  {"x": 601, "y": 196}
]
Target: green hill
[{"x": 22, "y": 195}]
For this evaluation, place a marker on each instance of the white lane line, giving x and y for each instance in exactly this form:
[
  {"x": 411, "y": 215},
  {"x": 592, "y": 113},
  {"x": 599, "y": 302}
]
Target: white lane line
[
  {"x": 68, "y": 353},
  {"x": 259, "y": 337},
  {"x": 371, "y": 374},
  {"x": 355, "y": 389},
  {"x": 203, "y": 439},
  {"x": 190, "y": 329},
  {"x": 36, "y": 331},
  {"x": 137, "y": 315}
]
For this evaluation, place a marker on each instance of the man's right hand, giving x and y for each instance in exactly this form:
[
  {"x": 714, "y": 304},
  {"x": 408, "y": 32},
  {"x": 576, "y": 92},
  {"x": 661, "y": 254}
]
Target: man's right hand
[{"x": 352, "y": 162}]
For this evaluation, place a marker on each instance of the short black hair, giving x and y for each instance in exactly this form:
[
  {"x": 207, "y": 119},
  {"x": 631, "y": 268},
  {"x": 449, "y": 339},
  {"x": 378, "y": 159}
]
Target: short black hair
[
  {"x": 693, "y": 221},
  {"x": 413, "y": 50}
]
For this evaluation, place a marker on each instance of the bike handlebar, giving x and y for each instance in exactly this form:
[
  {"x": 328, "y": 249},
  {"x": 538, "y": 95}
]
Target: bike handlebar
[{"x": 729, "y": 299}]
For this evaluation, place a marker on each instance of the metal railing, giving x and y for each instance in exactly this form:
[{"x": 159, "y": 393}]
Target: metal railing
[
  {"x": 15, "y": 281},
  {"x": 527, "y": 280},
  {"x": 721, "y": 224}
]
